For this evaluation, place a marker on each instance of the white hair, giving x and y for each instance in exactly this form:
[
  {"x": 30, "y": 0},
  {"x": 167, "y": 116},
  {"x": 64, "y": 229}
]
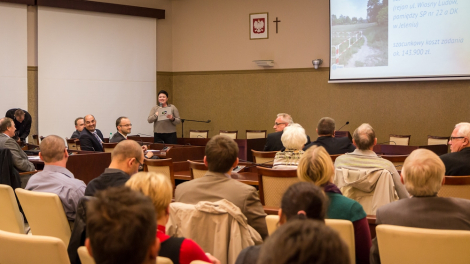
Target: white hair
[
  {"x": 286, "y": 118},
  {"x": 464, "y": 129},
  {"x": 423, "y": 172},
  {"x": 294, "y": 137}
]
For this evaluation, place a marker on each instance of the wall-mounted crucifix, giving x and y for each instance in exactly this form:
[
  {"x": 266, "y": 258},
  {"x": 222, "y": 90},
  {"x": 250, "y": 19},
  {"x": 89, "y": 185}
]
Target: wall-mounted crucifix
[{"x": 277, "y": 23}]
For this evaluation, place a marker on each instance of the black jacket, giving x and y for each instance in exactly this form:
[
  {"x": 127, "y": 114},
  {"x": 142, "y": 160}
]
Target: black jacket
[
  {"x": 23, "y": 128},
  {"x": 77, "y": 239},
  {"x": 457, "y": 163},
  {"x": 274, "y": 143},
  {"x": 89, "y": 142},
  {"x": 333, "y": 145},
  {"x": 110, "y": 178},
  {"x": 75, "y": 134},
  {"x": 117, "y": 137}
]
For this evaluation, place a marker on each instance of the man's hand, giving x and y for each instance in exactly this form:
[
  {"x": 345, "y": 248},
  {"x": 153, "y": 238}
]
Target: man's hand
[
  {"x": 149, "y": 154},
  {"x": 144, "y": 147}
]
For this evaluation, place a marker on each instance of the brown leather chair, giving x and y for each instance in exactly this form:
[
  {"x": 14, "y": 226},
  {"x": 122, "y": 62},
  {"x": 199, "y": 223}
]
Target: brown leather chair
[
  {"x": 198, "y": 169},
  {"x": 456, "y": 186},
  {"x": 402, "y": 140},
  {"x": 252, "y": 134},
  {"x": 232, "y": 134},
  {"x": 162, "y": 166},
  {"x": 198, "y": 133},
  {"x": 71, "y": 143},
  {"x": 273, "y": 184}
]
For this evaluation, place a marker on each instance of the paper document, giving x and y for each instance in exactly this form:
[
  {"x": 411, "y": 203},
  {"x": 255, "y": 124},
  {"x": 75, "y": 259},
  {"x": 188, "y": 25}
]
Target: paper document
[{"x": 163, "y": 112}]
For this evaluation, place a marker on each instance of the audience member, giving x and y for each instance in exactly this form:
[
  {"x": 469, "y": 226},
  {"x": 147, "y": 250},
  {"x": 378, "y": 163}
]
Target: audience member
[
  {"x": 423, "y": 176},
  {"x": 326, "y": 138},
  {"x": 79, "y": 126},
  {"x": 121, "y": 228},
  {"x": 364, "y": 157},
  {"x": 22, "y": 121},
  {"x": 91, "y": 139},
  {"x": 293, "y": 139},
  {"x": 20, "y": 159},
  {"x": 273, "y": 140},
  {"x": 159, "y": 189},
  {"x": 126, "y": 158},
  {"x": 124, "y": 127},
  {"x": 304, "y": 241},
  {"x": 55, "y": 178},
  {"x": 457, "y": 162},
  {"x": 316, "y": 167},
  {"x": 221, "y": 156},
  {"x": 301, "y": 199}
]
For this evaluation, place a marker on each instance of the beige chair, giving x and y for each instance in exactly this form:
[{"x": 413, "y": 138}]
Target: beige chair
[
  {"x": 77, "y": 144},
  {"x": 456, "y": 186},
  {"x": 435, "y": 140},
  {"x": 198, "y": 262},
  {"x": 272, "y": 221},
  {"x": 345, "y": 230},
  {"x": 71, "y": 143},
  {"x": 230, "y": 134},
  {"x": 406, "y": 245},
  {"x": 163, "y": 260},
  {"x": 24, "y": 249},
  {"x": 263, "y": 157},
  {"x": 85, "y": 257},
  {"x": 402, "y": 140},
  {"x": 45, "y": 214},
  {"x": 198, "y": 133},
  {"x": 198, "y": 169},
  {"x": 252, "y": 134},
  {"x": 397, "y": 160},
  {"x": 163, "y": 166},
  {"x": 273, "y": 184},
  {"x": 109, "y": 147},
  {"x": 11, "y": 219}
]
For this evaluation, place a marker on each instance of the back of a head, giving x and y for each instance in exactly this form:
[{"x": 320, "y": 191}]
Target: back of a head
[
  {"x": 286, "y": 118},
  {"x": 364, "y": 136},
  {"x": 126, "y": 149},
  {"x": 154, "y": 185},
  {"x": 304, "y": 196},
  {"x": 316, "y": 166},
  {"x": 304, "y": 242},
  {"x": 423, "y": 173},
  {"x": 121, "y": 226},
  {"x": 52, "y": 148},
  {"x": 326, "y": 126},
  {"x": 5, "y": 123},
  {"x": 19, "y": 113},
  {"x": 294, "y": 137},
  {"x": 221, "y": 153}
]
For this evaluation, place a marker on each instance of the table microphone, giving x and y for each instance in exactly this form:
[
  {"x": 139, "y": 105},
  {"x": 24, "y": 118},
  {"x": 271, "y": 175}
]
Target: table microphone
[{"x": 347, "y": 123}]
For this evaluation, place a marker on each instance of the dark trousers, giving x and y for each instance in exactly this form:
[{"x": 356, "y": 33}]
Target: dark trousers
[{"x": 167, "y": 138}]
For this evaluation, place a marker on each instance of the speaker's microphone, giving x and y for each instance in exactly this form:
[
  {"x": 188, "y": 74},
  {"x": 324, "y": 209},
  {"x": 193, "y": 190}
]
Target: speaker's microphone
[
  {"x": 161, "y": 105},
  {"x": 387, "y": 142},
  {"x": 347, "y": 123}
]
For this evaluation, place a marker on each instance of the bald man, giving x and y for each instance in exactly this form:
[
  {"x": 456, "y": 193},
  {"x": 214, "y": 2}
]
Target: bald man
[
  {"x": 91, "y": 139},
  {"x": 126, "y": 158},
  {"x": 55, "y": 178}
]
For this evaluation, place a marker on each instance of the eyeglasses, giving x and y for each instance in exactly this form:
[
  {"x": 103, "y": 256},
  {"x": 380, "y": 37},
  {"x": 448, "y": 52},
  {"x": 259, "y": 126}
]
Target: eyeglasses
[
  {"x": 278, "y": 124},
  {"x": 128, "y": 125},
  {"x": 452, "y": 138},
  {"x": 140, "y": 164}
]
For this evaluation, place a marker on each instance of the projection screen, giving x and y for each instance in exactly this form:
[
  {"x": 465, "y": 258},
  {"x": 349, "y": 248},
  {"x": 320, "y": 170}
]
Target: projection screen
[
  {"x": 94, "y": 63},
  {"x": 13, "y": 57},
  {"x": 397, "y": 40}
]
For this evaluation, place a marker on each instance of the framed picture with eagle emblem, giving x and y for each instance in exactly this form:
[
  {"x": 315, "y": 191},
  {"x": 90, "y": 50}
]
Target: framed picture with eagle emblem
[{"x": 259, "y": 26}]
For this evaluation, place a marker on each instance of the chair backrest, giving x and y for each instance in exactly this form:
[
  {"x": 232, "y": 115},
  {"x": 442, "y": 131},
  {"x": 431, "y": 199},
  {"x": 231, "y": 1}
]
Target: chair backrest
[
  {"x": 406, "y": 245},
  {"x": 198, "y": 133},
  {"x": 108, "y": 147},
  {"x": 397, "y": 160},
  {"x": 71, "y": 144},
  {"x": 264, "y": 157},
  {"x": 35, "y": 139},
  {"x": 455, "y": 186},
  {"x": 11, "y": 219},
  {"x": 436, "y": 140},
  {"x": 45, "y": 214},
  {"x": 273, "y": 184},
  {"x": 198, "y": 169},
  {"x": 345, "y": 230},
  {"x": 402, "y": 140},
  {"x": 24, "y": 249},
  {"x": 85, "y": 257},
  {"x": 272, "y": 221},
  {"x": 230, "y": 134},
  {"x": 77, "y": 144},
  {"x": 163, "y": 260},
  {"x": 252, "y": 134},
  {"x": 162, "y": 166}
]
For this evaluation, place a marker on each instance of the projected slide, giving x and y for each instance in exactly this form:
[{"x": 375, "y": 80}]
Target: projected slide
[{"x": 373, "y": 39}]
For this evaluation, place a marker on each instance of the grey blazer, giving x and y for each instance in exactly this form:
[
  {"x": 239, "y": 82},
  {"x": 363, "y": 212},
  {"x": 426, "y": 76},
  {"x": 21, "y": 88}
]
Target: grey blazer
[
  {"x": 424, "y": 212},
  {"x": 20, "y": 159},
  {"x": 217, "y": 186}
]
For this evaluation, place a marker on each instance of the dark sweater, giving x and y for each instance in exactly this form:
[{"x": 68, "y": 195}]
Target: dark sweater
[{"x": 110, "y": 178}]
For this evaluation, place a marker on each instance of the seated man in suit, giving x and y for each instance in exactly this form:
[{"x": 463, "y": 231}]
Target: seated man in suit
[
  {"x": 79, "y": 126},
  {"x": 7, "y": 132},
  {"x": 124, "y": 127},
  {"x": 55, "y": 178},
  {"x": 121, "y": 228},
  {"x": 364, "y": 157},
  {"x": 326, "y": 138},
  {"x": 127, "y": 156},
  {"x": 91, "y": 139},
  {"x": 273, "y": 140},
  {"x": 221, "y": 157},
  {"x": 22, "y": 121},
  {"x": 423, "y": 175},
  {"x": 458, "y": 161}
]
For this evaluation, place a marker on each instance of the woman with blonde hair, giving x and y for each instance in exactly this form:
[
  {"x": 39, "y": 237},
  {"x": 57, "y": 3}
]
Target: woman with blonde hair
[
  {"x": 158, "y": 188},
  {"x": 316, "y": 167}
]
